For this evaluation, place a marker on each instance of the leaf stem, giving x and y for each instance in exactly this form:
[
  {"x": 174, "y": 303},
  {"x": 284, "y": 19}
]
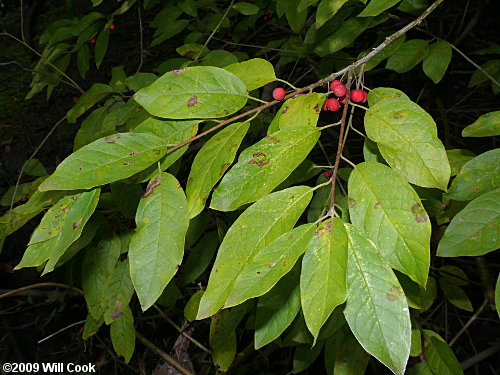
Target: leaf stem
[{"x": 40, "y": 285}]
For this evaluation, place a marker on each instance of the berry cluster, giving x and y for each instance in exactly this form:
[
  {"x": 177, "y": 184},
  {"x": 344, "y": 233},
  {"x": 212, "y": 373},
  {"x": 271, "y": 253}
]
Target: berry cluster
[
  {"x": 111, "y": 27},
  {"x": 267, "y": 15},
  {"x": 340, "y": 91}
]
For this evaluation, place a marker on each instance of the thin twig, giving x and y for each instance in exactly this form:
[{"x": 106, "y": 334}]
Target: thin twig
[
  {"x": 215, "y": 30},
  {"x": 469, "y": 322},
  {"x": 61, "y": 330},
  {"x": 321, "y": 82},
  {"x": 22, "y": 21},
  {"x": 40, "y": 285},
  {"x": 30, "y": 158},
  {"x": 479, "y": 357},
  {"x": 163, "y": 355},
  {"x": 141, "y": 41},
  {"x": 181, "y": 331}
]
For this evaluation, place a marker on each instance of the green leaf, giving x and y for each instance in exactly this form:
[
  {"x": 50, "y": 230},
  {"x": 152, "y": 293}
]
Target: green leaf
[
  {"x": 457, "y": 159},
  {"x": 101, "y": 46},
  {"x": 326, "y": 10},
  {"x": 199, "y": 258},
  {"x": 157, "y": 247},
  {"x": 194, "y": 92},
  {"x": 106, "y": 160},
  {"x": 192, "y": 50},
  {"x": 344, "y": 35},
  {"x": 300, "y": 111},
  {"x": 478, "y": 176},
  {"x": 394, "y": 219},
  {"x": 172, "y": 133},
  {"x": 407, "y": 139},
  {"x": 59, "y": 228},
  {"x": 126, "y": 198},
  {"x": 487, "y": 125},
  {"x": 188, "y": 7},
  {"x": 91, "y": 326},
  {"x": 323, "y": 276},
  {"x": 376, "y": 308},
  {"x": 246, "y": 9},
  {"x": 408, "y": 55},
  {"x": 255, "y": 228},
  {"x": 456, "y": 295},
  {"x": 94, "y": 127},
  {"x": 440, "y": 358},
  {"x": 296, "y": 19},
  {"x": 118, "y": 291},
  {"x": 277, "y": 309},
  {"x": 96, "y": 93},
  {"x": 140, "y": 80},
  {"x": 23, "y": 192},
  {"x": 497, "y": 295},
  {"x": 263, "y": 166},
  {"x": 436, "y": 62},
  {"x": 379, "y": 94},
  {"x": 266, "y": 267},
  {"x": 492, "y": 67},
  {"x": 253, "y": 73},
  {"x": 122, "y": 334},
  {"x": 304, "y": 356},
  {"x": 210, "y": 164},
  {"x": 349, "y": 356},
  {"x": 474, "y": 230},
  {"x": 421, "y": 368},
  {"x": 34, "y": 167},
  {"x": 98, "y": 264},
  {"x": 304, "y": 4},
  {"x": 191, "y": 308},
  {"x": 223, "y": 335},
  {"x": 375, "y": 7}
]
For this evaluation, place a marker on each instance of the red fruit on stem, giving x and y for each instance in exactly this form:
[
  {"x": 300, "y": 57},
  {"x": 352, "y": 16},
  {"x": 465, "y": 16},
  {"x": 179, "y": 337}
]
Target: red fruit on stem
[
  {"x": 92, "y": 41},
  {"x": 265, "y": 18},
  {"x": 339, "y": 90},
  {"x": 279, "y": 93},
  {"x": 357, "y": 96},
  {"x": 112, "y": 26},
  {"x": 365, "y": 99},
  {"x": 332, "y": 105},
  {"x": 335, "y": 83},
  {"x": 324, "y": 108},
  {"x": 343, "y": 100},
  {"x": 327, "y": 174}
]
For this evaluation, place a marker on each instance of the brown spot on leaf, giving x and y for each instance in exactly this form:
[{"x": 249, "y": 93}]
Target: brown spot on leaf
[
  {"x": 352, "y": 202},
  {"x": 419, "y": 212},
  {"x": 192, "y": 101},
  {"x": 149, "y": 189},
  {"x": 257, "y": 154},
  {"x": 394, "y": 293},
  {"x": 118, "y": 310},
  {"x": 272, "y": 139},
  {"x": 272, "y": 265},
  {"x": 128, "y": 163},
  {"x": 376, "y": 205},
  {"x": 284, "y": 110},
  {"x": 178, "y": 71},
  {"x": 133, "y": 153},
  {"x": 258, "y": 272},
  {"x": 77, "y": 223},
  {"x": 112, "y": 138},
  {"x": 259, "y": 163},
  {"x": 64, "y": 209},
  {"x": 224, "y": 168},
  {"x": 476, "y": 190},
  {"x": 316, "y": 109},
  {"x": 398, "y": 115},
  {"x": 81, "y": 168}
]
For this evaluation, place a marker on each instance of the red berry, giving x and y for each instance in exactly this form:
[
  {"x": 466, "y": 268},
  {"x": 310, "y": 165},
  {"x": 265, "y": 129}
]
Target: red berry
[
  {"x": 324, "y": 108},
  {"x": 265, "y": 18},
  {"x": 335, "y": 83},
  {"x": 279, "y": 93},
  {"x": 92, "y": 41},
  {"x": 365, "y": 99},
  {"x": 112, "y": 26},
  {"x": 327, "y": 174},
  {"x": 339, "y": 90},
  {"x": 357, "y": 96},
  {"x": 343, "y": 100},
  {"x": 332, "y": 105}
]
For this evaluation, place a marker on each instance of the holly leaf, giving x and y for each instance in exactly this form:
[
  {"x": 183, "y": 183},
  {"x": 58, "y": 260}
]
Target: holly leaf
[
  {"x": 157, "y": 247},
  {"x": 254, "y": 229},
  {"x": 264, "y": 166},
  {"x": 194, "y": 92}
]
